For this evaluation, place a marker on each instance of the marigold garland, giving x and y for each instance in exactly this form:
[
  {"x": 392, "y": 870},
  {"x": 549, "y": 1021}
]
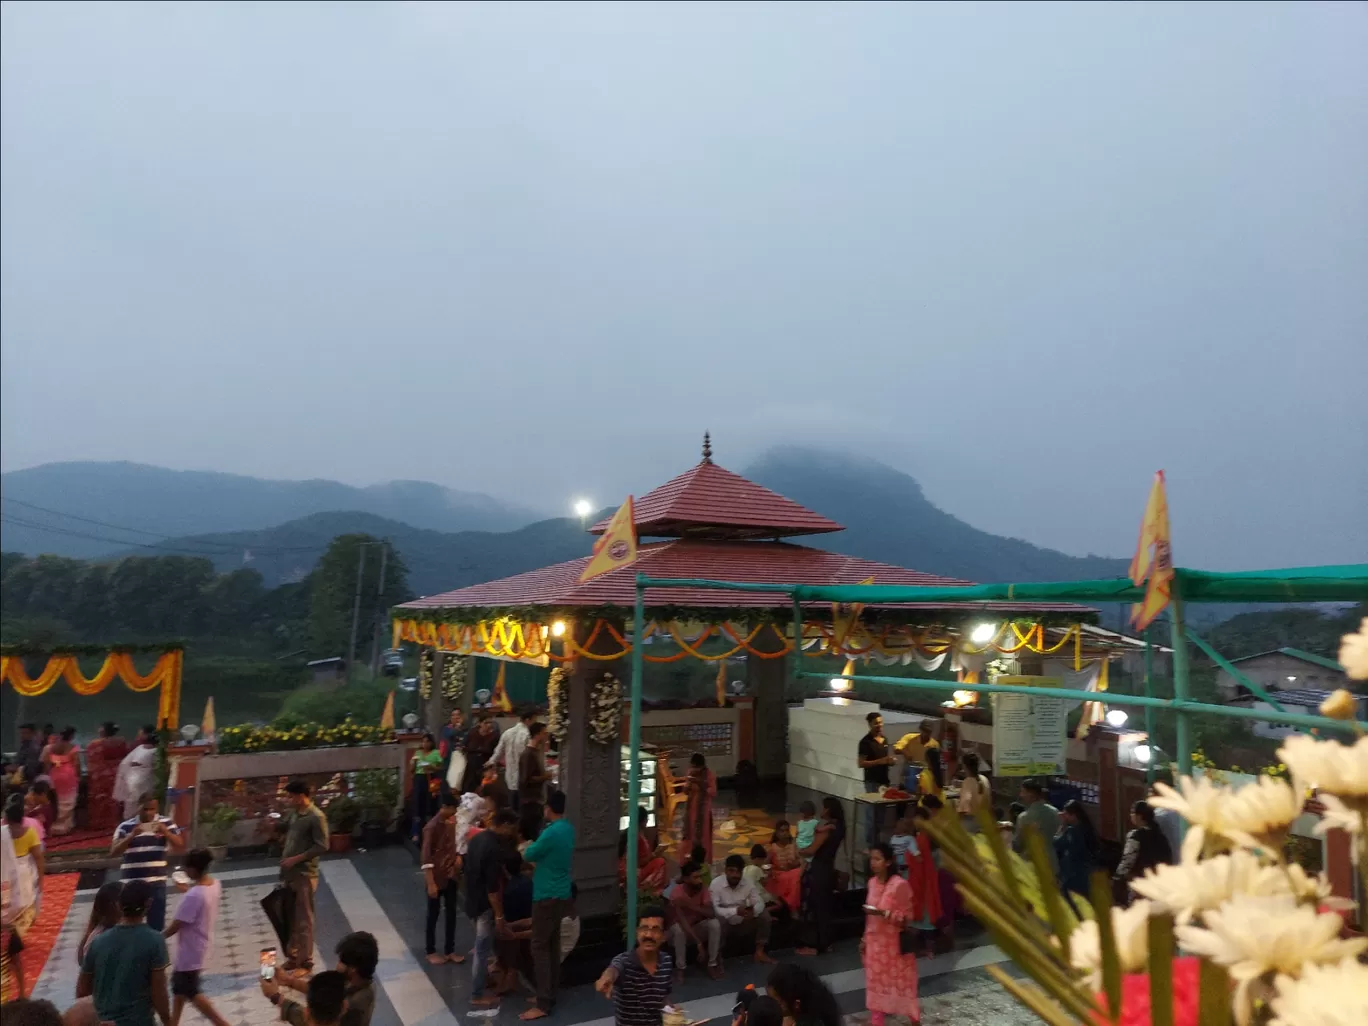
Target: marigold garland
[
  {"x": 453, "y": 677},
  {"x": 426, "y": 658},
  {"x": 557, "y": 724},
  {"x": 605, "y": 710}
]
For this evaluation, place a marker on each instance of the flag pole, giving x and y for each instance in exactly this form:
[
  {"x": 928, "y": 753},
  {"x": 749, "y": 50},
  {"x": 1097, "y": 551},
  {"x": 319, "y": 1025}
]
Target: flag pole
[
  {"x": 634, "y": 759},
  {"x": 1149, "y": 709}
]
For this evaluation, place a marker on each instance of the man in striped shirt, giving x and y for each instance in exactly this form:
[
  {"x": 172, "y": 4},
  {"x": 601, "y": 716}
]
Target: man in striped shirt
[
  {"x": 639, "y": 981},
  {"x": 143, "y": 842}
]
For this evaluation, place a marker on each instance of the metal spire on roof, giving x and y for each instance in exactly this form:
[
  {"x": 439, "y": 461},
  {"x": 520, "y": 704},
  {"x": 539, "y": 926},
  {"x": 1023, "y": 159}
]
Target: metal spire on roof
[{"x": 707, "y": 448}]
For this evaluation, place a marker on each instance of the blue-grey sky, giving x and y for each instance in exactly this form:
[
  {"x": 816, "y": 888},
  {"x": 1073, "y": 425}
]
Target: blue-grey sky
[{"x": 1029, "y": 253}]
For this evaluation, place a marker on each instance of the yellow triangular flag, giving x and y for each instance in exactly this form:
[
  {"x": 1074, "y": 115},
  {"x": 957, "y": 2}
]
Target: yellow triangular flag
[
  {"x": 387, "y": 716},
  {"x": 844, "y": 617},
  {"x": 207, "y": 725},
  {"x": 1153, "y": 557},
  {"x": 617, "y": 547},
  {"x": 501, "y": 701}
]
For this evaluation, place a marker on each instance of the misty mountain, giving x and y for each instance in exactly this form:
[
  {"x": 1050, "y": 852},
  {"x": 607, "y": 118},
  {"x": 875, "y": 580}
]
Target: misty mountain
[
  {"x": 86, "y": 510},
  {"x": 437, "y": 561},
  {"x": 888, "y": 518}
]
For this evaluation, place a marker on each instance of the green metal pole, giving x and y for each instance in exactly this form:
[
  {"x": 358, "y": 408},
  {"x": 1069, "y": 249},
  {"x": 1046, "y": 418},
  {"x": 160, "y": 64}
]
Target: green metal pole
[
  {"x": 1180, "y": 679},
  {"x": 1149, "y": 709},
  {"x": 634, "y": 757}
]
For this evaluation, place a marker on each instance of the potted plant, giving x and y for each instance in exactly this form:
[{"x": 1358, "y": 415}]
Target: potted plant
[
  {"x": 218, "y": 822},
  {"x": 343, "y": 814},
  {"x": 377, "y": 795}
]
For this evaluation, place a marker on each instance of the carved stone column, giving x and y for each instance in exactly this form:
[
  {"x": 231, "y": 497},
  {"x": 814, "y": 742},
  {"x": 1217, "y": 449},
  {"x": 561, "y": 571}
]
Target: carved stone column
[
  {"x": 767, "y": 680},
  {"x": 590, "y": 776},
  {"x": 434, "y": 707}
]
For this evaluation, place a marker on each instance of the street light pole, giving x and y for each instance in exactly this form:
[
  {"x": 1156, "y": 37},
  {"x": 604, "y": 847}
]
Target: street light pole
[{"x": 356, "y": 606}]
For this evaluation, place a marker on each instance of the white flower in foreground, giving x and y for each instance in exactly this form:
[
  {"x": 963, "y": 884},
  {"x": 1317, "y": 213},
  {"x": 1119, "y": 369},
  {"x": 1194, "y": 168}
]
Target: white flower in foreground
[
  {"x": 1189, "y": 889},
  {"x": 1326, "y": 995},
  {"x": 1200, "y": 802},
  {"x": 1252, "y": 936},
  {"x": 1353, "y": 653},
  {"x": 1130, "y": 925},
  {"x": 1330, "y": 767},
  {"x": 1258, "y": 814}
]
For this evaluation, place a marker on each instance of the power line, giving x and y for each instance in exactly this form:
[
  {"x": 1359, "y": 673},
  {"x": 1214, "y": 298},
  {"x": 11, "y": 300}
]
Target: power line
[
  {"x": 85, "y": 520},
  {"x": 164, "y": 547}
]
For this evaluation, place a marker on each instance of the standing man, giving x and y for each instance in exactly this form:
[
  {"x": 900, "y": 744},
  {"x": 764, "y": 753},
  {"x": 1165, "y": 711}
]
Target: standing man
[
  {"x": 874, "y": 758},
  {"x": 306, "y": 838},
  {"x": 509, "y": 750},
  {"x": 451, "y": 740},
  {"x": 551, "y": 854},
  {"x": 194, "y": 924},
  {"x": 143, "y": 842},
  {"x": 1040, "y": 814},
  {"x": 740, "y": 906},
  {"x": 639, "y": 982},
  {"x": 125, "y": 967},
  {"x": 694, "y": 920},
  {"x": 484, "y": 875},
  {"x": 441, "y": 872},
  {"x": 532, "y": 775}
]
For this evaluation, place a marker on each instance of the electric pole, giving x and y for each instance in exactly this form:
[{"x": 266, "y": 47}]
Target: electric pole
[{"x": 356, "y": 606}]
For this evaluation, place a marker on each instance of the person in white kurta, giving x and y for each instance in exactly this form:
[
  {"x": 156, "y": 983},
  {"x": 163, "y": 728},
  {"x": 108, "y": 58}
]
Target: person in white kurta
[{"x": 137, "y": 776}]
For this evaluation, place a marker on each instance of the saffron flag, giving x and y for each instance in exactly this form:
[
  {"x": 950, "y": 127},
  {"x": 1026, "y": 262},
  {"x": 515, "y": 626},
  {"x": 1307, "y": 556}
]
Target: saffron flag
[
  {"x": 208, "y": 725},
  {"x": 1153, "y": 560},
  {"x": 387, "y": 714},
  {"x": 617, "y": 546},
  {"x": 844, "y": 617},
  {"x": 500, "y": 700}
]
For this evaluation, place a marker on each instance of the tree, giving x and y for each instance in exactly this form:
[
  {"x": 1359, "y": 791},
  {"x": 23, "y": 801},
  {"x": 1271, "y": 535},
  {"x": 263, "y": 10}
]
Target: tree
[{"x": 333, "y": 593}]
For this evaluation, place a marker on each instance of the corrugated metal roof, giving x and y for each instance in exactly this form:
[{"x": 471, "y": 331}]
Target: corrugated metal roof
[
  {"x": 740, "y": 561},
  {"x": 708, "y": 499},
  {"x": 1296, "y": 653}
]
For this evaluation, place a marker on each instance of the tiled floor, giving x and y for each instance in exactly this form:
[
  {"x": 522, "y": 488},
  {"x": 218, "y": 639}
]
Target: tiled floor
[{"x": 380, "y": 891}]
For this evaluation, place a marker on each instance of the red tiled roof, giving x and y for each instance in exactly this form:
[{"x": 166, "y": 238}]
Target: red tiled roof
[
  {"x": 709, "y": 500},
  {"x": 742, "y": 561}
]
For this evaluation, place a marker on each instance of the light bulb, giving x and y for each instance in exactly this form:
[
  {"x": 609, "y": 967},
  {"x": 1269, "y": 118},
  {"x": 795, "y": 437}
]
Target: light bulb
[
  {"x": 1143, "y": 753},
  {"x": 558, "y": 629},
  {"x": 838, "y": 684},
  {"x": 1117, "y": 717},
  {"x": 983, "y": 633}
]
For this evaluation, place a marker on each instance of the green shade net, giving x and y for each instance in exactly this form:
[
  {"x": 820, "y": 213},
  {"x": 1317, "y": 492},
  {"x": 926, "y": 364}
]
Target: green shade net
[{"x": 1345, "y": 583}]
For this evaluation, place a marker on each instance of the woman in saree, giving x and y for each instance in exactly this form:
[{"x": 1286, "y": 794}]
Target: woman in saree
[
  {"x": 786, "y": 867},
  {"x": 137, "y": 775},
  {"x": 819, "y": 882},
  {"x": 701, "y": 784},
  {"x": 103, "y": 756},
  {"x": 890, "y": 975},
  {"x": 651, "y": 875},
  {"x": 21, "y": 863},
  {"x": 62, "y": 761},
  {"x": 480, "y": 743}
]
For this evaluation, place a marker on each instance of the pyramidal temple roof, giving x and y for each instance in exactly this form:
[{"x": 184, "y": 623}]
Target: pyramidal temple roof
[{"x": 708, "y": 501}]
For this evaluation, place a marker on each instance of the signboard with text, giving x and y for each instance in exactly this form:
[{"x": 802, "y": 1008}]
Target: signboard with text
[{"x": 1030, "y": 732}]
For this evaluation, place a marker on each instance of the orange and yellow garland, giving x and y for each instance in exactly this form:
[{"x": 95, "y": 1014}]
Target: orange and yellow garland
[
  {"x": 506, "y": 638},
  {"x": 166, "y": 674}
]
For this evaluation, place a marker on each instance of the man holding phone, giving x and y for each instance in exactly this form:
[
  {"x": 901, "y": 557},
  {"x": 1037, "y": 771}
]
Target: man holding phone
[
  {"x": 143, "y": 842},
  {"x": 357, "y": 956}
]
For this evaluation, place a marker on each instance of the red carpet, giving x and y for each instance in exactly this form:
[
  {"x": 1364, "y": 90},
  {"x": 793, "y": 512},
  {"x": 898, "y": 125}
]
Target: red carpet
[
  {"x": 79, "y": 840},
  {"x": 58, "y": 892}
]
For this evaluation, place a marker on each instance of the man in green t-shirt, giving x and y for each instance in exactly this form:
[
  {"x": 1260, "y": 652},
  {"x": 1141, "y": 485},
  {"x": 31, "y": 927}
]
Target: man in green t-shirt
[
  {"x": 125, "y": 967},
  {"x": 551, "y": 855}
]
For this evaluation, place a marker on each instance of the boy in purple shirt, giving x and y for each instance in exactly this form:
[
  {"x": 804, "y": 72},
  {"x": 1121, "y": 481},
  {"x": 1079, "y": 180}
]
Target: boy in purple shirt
[{"x": 194, "y": 925}]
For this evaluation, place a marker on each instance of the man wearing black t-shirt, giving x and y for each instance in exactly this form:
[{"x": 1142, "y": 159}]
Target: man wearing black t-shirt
[{"x": 874, "y": 759}]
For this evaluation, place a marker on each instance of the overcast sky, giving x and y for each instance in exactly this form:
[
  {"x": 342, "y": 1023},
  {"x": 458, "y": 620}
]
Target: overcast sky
[{"x": 1029, "y": 254}]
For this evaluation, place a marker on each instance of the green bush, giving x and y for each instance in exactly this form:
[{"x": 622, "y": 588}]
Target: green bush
[{"x": 362, "y": 702}]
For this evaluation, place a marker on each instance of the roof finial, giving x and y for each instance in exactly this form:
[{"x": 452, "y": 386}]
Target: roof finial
[{"x": 707, "y": 448}]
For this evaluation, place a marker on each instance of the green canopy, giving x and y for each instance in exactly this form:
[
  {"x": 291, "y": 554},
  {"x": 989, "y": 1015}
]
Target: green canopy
[{"x": 1345, "y": 583}]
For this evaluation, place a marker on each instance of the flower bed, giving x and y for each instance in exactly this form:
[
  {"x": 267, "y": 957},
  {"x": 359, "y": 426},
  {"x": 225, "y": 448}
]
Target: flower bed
[{"x": 248, "y": 738}]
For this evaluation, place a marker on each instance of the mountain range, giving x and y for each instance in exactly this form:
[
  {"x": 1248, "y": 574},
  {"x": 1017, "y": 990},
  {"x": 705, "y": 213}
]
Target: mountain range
[{"x": 452, "y": 539}]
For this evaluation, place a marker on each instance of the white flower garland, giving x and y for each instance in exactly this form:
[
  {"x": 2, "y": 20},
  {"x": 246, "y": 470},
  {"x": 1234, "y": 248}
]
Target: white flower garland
[
  {"x": 556, "y": 722},
  {"x": 426, "y": 657},
  {"x": 453, "y": 677},
  {"x": 605, "y": 710}
]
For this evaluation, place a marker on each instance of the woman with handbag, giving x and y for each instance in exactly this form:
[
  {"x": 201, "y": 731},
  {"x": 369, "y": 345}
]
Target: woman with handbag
[{"x": 888, "y": 946}]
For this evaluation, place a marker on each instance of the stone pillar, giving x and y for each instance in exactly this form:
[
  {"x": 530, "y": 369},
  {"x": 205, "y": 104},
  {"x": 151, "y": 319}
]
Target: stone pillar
[
  {"x": 434, "y": 710},
  {"x": 590, "y": 776},
  {"x": 767, "y": 680}
]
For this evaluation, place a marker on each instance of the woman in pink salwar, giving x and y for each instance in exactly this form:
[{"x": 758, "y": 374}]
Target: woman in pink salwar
[
  {"x": 890, "y": 976},
  {"x": 702, "y": 789}
]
